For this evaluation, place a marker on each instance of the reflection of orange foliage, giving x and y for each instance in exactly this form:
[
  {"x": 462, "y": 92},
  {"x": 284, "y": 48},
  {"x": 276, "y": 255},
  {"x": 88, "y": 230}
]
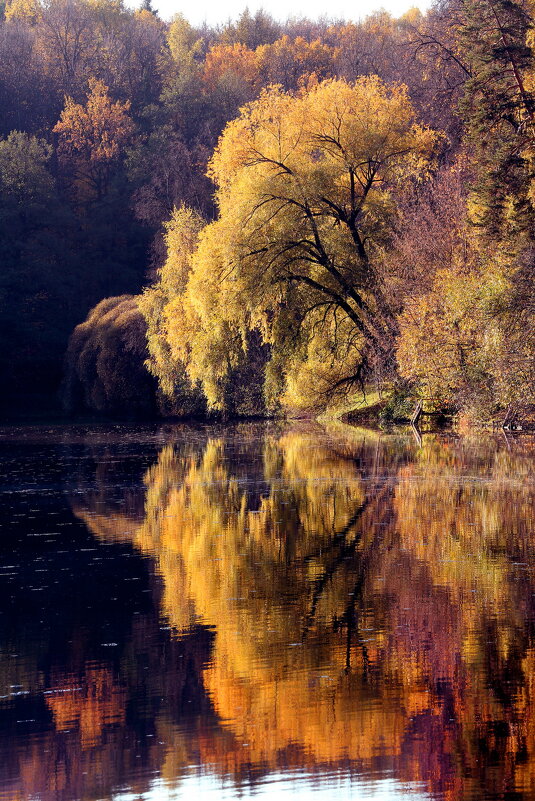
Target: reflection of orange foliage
[
  {"x": 52, "y": 767},
  {"x": 326, "y": 713},
  {"x": 469, "y": 541},
  {"x": 108, "y": 528},
  {"x": 433, "y": 546},
  {"x": 278, "y": 704},
  {"x": 90, "y": 704}
]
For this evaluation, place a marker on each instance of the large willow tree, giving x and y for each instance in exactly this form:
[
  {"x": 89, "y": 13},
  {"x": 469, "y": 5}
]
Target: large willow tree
[{"x": 306, "y": 192}]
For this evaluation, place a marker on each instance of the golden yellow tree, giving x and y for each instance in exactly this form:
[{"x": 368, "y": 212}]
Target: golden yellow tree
[
  {"x": 305, "y": 189},
  {"x": 162, "y": 306}
]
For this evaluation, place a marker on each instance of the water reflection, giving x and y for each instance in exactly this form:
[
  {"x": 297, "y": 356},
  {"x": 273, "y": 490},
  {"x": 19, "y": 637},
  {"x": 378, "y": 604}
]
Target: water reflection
[{"x": 295, "y": 608}]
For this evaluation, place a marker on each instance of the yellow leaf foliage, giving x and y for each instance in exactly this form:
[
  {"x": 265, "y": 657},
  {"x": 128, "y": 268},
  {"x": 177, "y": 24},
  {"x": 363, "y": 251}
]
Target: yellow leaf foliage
[
  {"x": 468, "y": 342},
  {"x": 97, "y": 130},
  {"x": 28, "y": 11},
  {"x": 184, "y": 46},
  {"x": 302, "y": 183},
  {"x": 286, "y": 61},
  {"x": 169, "y": 325}
]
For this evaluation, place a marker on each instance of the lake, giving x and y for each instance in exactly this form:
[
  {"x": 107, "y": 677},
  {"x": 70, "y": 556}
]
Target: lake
[{"x": 265, "y": 610}]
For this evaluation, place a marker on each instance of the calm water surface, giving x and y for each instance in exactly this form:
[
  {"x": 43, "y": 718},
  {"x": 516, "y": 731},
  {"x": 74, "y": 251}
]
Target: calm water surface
[{"x": 265, "y": 611}]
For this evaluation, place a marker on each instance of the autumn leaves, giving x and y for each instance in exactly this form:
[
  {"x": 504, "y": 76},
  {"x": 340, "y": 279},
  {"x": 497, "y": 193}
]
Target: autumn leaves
[
  {"x": 306, "y": 188},
  {"x": 347, "y": 243}
]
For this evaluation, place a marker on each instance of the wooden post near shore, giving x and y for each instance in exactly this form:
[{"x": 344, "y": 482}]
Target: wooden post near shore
[
  {"x": 417, "y": 414},
  {"x": 509, "y": 418}
]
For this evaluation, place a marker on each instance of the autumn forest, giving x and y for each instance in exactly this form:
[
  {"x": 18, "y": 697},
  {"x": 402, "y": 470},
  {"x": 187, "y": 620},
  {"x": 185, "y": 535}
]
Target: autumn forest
[{"x": 266, "y": 218}]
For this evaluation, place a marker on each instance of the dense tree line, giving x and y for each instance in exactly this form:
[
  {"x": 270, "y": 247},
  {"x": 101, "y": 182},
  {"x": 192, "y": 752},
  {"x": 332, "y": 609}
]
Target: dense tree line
[{"x": 300, "y": 209}]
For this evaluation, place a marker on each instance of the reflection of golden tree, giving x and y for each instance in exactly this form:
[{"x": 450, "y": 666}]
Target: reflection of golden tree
[
  {"x": 291, "y": 566},
  {"x": 368, "y": 601},
  {"x": 90, "y": 704}
]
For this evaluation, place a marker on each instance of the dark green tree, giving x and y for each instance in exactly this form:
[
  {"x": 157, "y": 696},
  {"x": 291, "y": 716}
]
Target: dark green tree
[{"x": 36, "y": 291}]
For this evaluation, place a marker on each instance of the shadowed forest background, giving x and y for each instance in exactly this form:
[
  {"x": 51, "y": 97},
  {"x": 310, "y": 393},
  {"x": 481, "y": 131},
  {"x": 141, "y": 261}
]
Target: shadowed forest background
[{"x": 304, "y": 210}]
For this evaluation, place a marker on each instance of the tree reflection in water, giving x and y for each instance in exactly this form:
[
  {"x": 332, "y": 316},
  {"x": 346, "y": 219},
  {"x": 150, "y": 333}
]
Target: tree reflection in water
[{"x": 343, "y": 601}]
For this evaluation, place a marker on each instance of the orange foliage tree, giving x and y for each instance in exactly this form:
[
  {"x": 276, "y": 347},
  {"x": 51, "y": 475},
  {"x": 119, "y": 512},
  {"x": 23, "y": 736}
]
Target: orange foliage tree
[
  {"x": 92, "y": 138},
  {"x": 236, "y": 59}
]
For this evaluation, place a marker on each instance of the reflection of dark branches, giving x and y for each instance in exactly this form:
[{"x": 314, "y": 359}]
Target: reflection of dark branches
[
  {"x": 349, "y": 617},
  {"x": 339, "y": 536},
  {"x": 347, "y": 549}
]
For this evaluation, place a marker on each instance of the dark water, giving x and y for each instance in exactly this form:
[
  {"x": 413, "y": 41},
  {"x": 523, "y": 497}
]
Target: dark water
[{"x": 267, "y": 611}]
